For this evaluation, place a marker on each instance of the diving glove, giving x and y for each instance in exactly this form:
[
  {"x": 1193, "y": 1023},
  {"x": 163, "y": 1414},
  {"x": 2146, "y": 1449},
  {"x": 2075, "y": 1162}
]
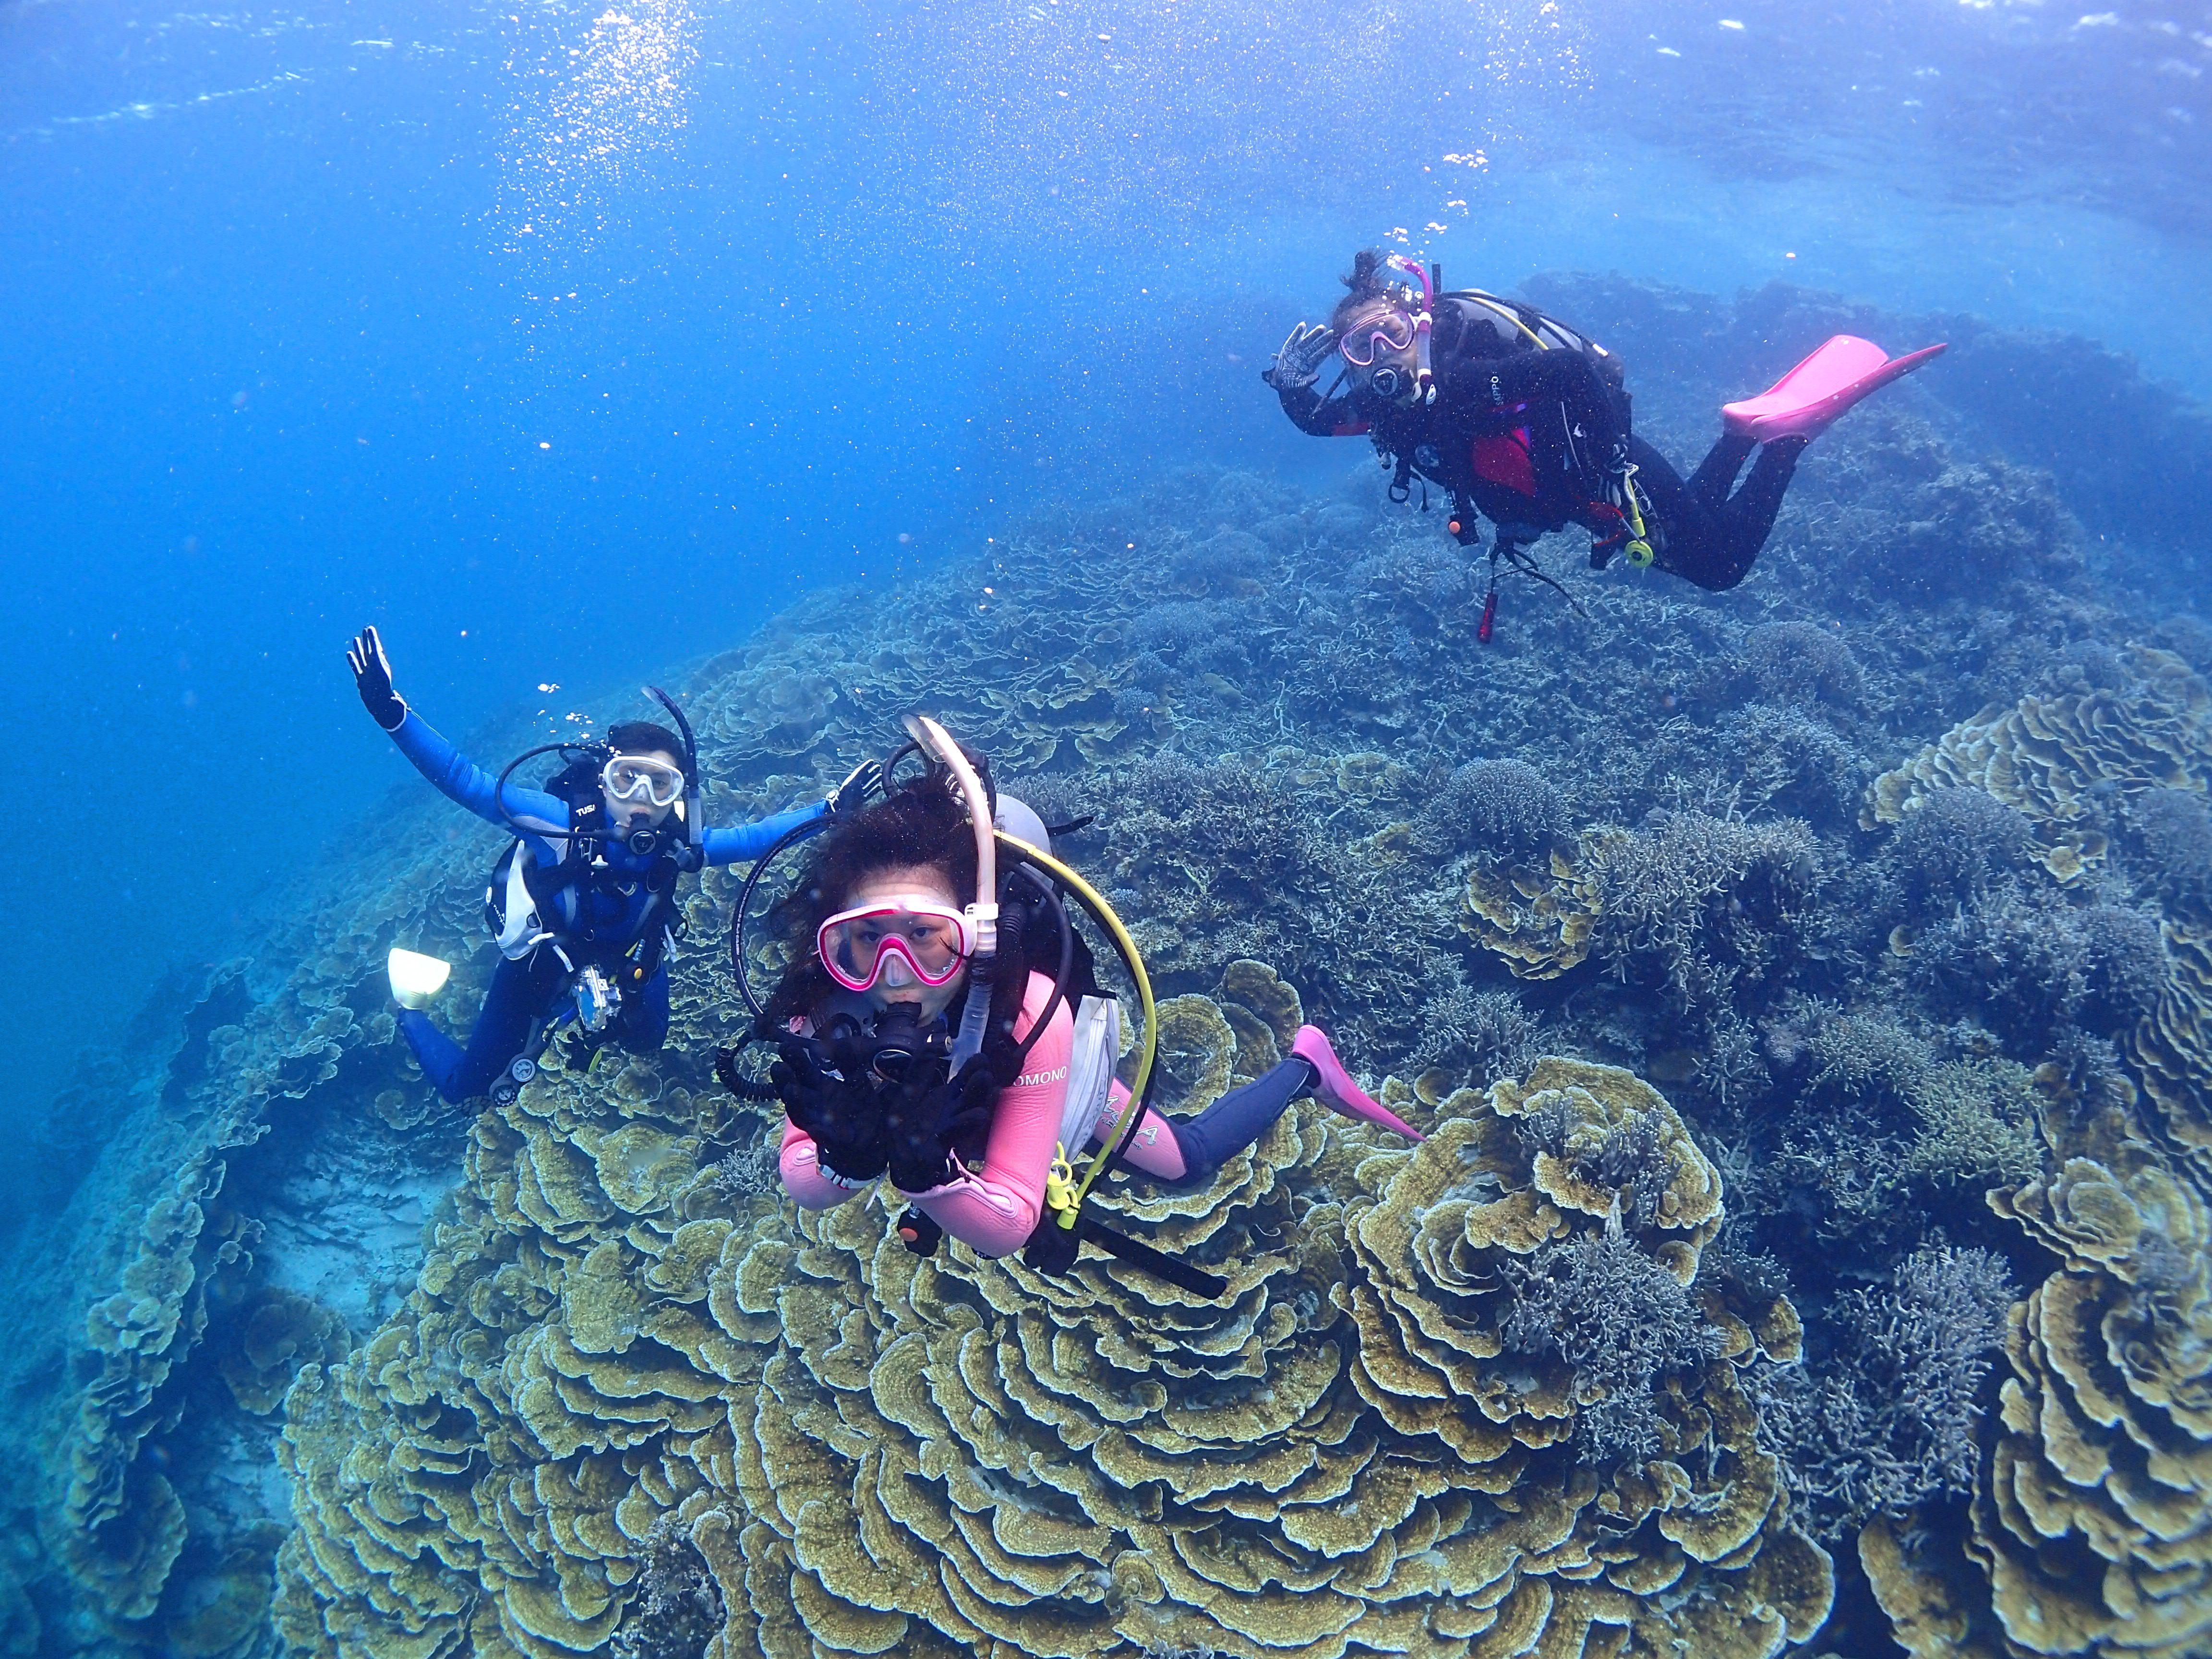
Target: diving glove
[
  {"x": 1297, "y": 364},
  {"x": 838, "y": 1117},
  {"x": 850, "y": 796},
  {"x": 372, "y": 678},
  {"x": 926, "y": 1125}
]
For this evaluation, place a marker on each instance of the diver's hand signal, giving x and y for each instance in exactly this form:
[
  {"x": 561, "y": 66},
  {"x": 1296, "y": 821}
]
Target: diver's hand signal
[
  {"x": 837, "y": 1116},
  {"x": 850, "y": 796},
  {"x": 372, "y": 678},
  {"x": 1297, "y": 364},
  {"x": 925, "y": 1127}
]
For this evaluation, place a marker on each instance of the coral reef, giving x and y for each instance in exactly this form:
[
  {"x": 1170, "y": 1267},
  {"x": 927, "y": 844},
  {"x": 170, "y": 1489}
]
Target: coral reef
[
  {"x": 1889, "y": 1421},
  {"x": 615, "y": 1402},
  {"x": 1505, "y": 809},
  {"x": 1888, "y": 868}
]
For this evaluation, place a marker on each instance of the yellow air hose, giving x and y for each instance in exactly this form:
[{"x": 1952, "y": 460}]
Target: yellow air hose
[{"x": 1068, "y": 1203}]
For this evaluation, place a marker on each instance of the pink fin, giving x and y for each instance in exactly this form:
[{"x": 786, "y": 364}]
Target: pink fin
[
  {"x": 1804, "y": 402},
  {"x": 1335, "y": 1089}
]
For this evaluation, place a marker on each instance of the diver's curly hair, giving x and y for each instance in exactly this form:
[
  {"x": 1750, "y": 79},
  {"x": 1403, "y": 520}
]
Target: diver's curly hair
[
  {"x": 1366, "y": 282},
  {"x": 921, "y": 824}
]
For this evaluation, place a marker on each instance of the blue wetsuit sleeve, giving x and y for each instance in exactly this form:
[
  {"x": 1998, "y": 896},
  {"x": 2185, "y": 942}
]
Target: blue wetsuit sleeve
[
  {"x": 461, "y": 781},
  {"x": 749, "y": 840}
]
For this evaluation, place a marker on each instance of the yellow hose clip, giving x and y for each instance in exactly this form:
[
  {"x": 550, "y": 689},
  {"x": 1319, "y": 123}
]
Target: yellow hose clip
[
  {"x": 1060, "y": 1182},
  {"x": 1638, "y": 549}
]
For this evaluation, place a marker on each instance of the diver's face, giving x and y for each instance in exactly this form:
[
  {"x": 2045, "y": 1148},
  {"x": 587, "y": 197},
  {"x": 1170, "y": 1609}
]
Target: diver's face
[
  {"x": 917, "y": 880},
  {"x": 638, "y": 812},
  {"x": 1389, "y": 372}
]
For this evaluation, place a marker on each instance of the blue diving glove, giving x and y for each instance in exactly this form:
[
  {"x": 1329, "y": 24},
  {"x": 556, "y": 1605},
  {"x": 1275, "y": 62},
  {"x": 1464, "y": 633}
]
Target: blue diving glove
[{"x": 372, "y": 678}]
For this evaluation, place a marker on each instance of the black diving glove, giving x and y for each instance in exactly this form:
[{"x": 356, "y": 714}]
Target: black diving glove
[
  {"x": 926, "y": 1124},
  {"x": 1297, "y": 364},
  {"x": 850, "y": 796},
  {"x": 840, "y": 1117},
  {"x": 372, "y": 678}
]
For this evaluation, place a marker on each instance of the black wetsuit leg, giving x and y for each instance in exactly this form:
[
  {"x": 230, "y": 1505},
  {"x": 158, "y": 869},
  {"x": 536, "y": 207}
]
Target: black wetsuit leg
[
  {"x": 1711, "y": 537},
  {"x": 644, "y": 1024},
  {"x": 520, "y": 992},
  {"x": 1237, "y": 1120}
]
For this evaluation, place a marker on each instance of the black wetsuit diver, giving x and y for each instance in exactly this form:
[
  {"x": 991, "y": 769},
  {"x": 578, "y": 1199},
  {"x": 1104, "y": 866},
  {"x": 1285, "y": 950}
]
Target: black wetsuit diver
[
  {"x": 1530, "y": 428},
  {"x": 1519, "y": 418}
]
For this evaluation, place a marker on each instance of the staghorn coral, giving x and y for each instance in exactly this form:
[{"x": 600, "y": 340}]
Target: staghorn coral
[
  {"x": 1789, "y": 661},
  {"x": 1504, "y": 810},
  {"x": 2035, "y": 964},
  {"x": 1704, "y": 904},
  {"x": 1490, "y": 1034},
  {"x": 1951, "y": 843},
  {"x": 2174, "y": 827},
  {"x": 1887, "y": 1421},
  {"x": 1977, "y": 1125},
  {"x": 1620, "y": 1321}
]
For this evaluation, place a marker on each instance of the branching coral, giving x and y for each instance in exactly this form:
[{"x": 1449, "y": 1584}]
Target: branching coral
[
  {"x": 1503, "y": 809},
  {"x": 1704, "y": 902},
  {"x": 1952, "y": 842},
  {"x": 1490, "y": 1034},
  {"x": 1621, "y": 1322},
  {"x": 1887, "y": 1421}
]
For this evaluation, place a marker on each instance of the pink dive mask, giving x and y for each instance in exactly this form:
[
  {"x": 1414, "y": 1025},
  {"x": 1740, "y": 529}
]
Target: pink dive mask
[
  {"x": 895, "y": 940},
  {"x": 1393, "y": 330}
]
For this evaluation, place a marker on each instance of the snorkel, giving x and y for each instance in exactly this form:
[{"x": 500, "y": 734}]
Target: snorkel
[
  {"x": 983, "y": 913},
  {"x": 1425, "y": 378},
  {"x": 694, "y": 855}
]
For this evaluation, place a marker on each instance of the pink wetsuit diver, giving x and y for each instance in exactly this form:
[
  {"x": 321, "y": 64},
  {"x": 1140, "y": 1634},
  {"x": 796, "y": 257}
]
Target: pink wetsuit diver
[{"x": 996, "y": 1208}]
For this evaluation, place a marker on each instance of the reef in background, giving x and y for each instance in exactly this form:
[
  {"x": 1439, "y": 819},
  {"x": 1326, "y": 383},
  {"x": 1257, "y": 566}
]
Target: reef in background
[{"x": 1887, "y": 871}]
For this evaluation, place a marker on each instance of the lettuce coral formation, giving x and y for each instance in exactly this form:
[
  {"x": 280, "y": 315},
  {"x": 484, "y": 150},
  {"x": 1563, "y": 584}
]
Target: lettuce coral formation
[
  {"x": 2093, "y": 1517},
  {"x": 879, "y": 1452}
]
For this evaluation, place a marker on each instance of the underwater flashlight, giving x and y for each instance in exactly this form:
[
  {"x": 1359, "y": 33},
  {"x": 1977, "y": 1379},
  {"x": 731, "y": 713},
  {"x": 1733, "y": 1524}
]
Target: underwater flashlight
[{"x": 416, "y": 978}]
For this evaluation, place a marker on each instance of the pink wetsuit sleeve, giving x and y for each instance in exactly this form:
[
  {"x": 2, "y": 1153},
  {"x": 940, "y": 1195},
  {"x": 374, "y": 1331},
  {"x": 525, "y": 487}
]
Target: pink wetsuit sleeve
[
  {"x": 995, "y": 1208},
  {"x": 812, "y": 1186}
]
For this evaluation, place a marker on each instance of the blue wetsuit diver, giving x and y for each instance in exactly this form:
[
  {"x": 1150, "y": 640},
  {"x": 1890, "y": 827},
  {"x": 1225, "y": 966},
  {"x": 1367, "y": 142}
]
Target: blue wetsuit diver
[{"x": 588, "y": 888}]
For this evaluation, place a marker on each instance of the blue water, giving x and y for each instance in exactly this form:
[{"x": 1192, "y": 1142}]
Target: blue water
[{"x": 565, "y": 341}]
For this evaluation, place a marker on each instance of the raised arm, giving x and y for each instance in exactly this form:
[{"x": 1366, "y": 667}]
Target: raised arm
[
  {"x": 750, "y": 840},
  {"x": 1296, "y": 369},
  {"x": 733, "y": 843},
  {"x": 458, "y": 778}
]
